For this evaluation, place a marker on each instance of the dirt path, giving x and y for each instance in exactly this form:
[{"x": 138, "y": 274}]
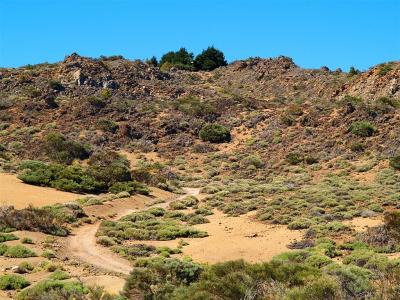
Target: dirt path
[{"x": 82, "y": 244}]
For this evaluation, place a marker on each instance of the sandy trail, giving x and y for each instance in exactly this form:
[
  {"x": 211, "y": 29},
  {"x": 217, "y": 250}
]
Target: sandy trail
[{"x": 82, "y": 244}]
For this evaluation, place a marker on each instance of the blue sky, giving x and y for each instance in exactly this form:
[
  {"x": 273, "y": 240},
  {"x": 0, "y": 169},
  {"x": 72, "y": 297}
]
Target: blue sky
[{"x": 335, "y": 33}]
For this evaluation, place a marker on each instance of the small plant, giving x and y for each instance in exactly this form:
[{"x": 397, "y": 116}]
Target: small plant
[
  {"x": 59, "y": 275},
  {"x": 27, "y": 240},
  {"x": 13, "y": 282},
  {"x": 56, "y": 85},
  {"x": 362, "y": 128},
  {"x": 215, "y": 133},
  {"x": 394, "y": 162},
  {"x": 384, "y": 69},
  {"x": 294, "y": 158},
  {"x": 96, "y": 102},
  {"x": 48, "y": 254},
  {"x": 107, "y": 125},
  {"x": 357, "y": 147},
  {"x": 19, "y": 251},
  {"x": 106, "y": 94},
  {"x": 5, "y": 237}
]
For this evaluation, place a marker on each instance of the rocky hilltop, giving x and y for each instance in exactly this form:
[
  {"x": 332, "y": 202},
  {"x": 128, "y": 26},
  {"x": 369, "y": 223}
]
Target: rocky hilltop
[{"x": 114, "y": 102}]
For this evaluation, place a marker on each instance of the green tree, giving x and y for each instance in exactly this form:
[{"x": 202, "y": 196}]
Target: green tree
[
  {"x": 209, "y": 59},
  {"x": 353, "y": 71},
  {"x": 181, "y": 59},
  {"x": 152, "y": 61}
]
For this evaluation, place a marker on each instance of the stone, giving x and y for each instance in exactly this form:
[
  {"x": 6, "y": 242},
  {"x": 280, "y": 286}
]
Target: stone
[{"x": 18, "y": 270}]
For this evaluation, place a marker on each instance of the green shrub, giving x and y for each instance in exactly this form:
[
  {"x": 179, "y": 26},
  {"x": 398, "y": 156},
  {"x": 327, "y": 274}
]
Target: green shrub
[
  {"x": 300, "y": 224},
  {"x": 130, "y": 187},
  {"x": 209, "y": 59},
  {"x": 362, "y": 128},
  {"x": 59, "y": 275},
  {"x": 107, "y": 125},
  {"x": 53, "y": 289},
  {"x": 105, "y": 241},
  {"x": 109, "y": 167},
  {"x": 105, "y": 94},
  {"x": 5, "y": 237},
  {"x": 323, "y": 288},
  {"x": 26, "y": 266},
  {"x": 253, "y": 160},
  {"x": 357, "y": 147},
  {"x": 65, "y": 151},
  {"x": 156, "y": 278},
  {"x": 47, "y": 220},
  {"x": 19, "y": 251},
  {"x": 3, "y": 249},
  {"x": 184, "y": 203},
  {"x": 27, "y": 240},
  {"x": 215, "y": 133},
  {"x": 13, "y": 282},
  {"x": 96, "y": 102},
  {"x": 56, "y": 85},
  {"x": 384, "y": 69},
  {"x": 394, "y": 162},
  {"x": 194, "y": 107},
  {"x": 48, "y": 254},
  {"x": 294, "y": 158}
]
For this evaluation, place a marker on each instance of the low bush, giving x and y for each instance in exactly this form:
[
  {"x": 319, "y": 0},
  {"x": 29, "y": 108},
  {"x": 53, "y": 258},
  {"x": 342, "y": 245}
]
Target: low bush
[
  {"x": 362, "y": 128},
  {"x": 294, "y": 158},
  {"x": 215, "y": 133},
  {"x": 184, "y": 203},
  {"x": 56, "y": 85},
  {"x": 59, "y": 275},
  {"x": 27, "y": 240},
  {"x": 194, "y": 107},
  {"x": 19, "y": 251},
  {"x": 253, "y": 160},
  {"x": 107, "y": 125},
  {"x": 62, "y": 150},
  {"x": 48, "y": 220},
  {"x": 13, "y": 282},
  {"x": 54, "y": 289},
  {"x": 394, "y": 162},
  {"x": 153, "y": 224},
  {"x": 5, "y": 237},
  {"x": 106, "y": 171},
  {"x": 96, "y": 102}
]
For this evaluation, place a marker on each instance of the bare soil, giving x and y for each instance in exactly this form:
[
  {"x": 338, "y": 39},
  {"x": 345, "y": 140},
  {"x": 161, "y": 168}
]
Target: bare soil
[
  {"x": 18, "y": 194},
  {"x": 233, "y": 238}
]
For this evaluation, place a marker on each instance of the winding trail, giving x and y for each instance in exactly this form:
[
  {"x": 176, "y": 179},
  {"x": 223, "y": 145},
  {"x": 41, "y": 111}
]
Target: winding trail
[{"x": 82, "y": 243}]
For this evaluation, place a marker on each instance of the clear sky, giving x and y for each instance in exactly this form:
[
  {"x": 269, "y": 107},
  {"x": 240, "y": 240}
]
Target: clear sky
[{"x": 335, "y": 33}]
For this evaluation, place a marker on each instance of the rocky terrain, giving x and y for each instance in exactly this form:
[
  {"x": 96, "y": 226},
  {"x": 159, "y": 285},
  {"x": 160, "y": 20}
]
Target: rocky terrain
[{"x": 293, "y": 170}]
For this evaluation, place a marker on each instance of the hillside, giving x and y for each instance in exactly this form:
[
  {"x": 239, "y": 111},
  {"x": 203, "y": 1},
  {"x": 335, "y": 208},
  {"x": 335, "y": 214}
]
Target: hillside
[
  {"x": 165, "y": 111},
  {"x": 279, "y": 182}
]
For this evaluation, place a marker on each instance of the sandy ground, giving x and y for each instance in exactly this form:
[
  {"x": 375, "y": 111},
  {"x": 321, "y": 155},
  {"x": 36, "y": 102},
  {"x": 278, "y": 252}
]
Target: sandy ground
[
  {"x": 14, "y": 192},
  {"x": 233, "y": 238},
  {"x": 7, "y": 263},
  {"x": 362, "y": 224},
  {"x": 82, "y": 243}
]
